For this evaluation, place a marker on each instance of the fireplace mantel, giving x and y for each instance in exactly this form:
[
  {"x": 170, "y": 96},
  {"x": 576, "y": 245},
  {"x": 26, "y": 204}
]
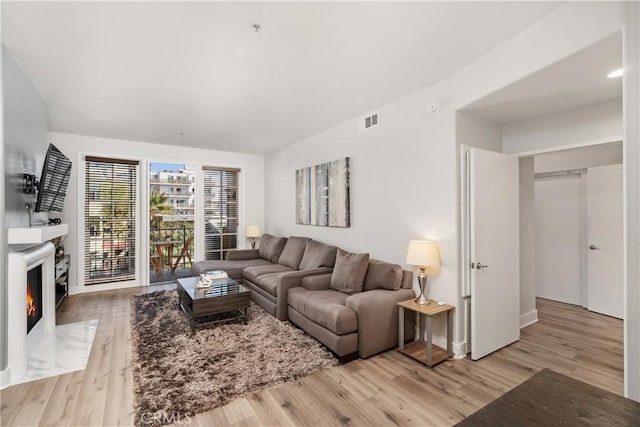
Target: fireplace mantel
[
  {"x": 36, "y": 235},
  {"x": 19, "y": 343}
]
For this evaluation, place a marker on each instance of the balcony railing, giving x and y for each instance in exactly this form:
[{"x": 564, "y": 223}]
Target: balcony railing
[{"x": 182, "y": 246}]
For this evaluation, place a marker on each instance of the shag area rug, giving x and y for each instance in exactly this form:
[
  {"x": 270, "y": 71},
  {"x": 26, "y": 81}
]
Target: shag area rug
[{"x": 178, "y": 374}]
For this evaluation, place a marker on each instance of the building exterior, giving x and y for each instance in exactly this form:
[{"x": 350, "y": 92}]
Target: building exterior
[{"x": 178, "y": 186}]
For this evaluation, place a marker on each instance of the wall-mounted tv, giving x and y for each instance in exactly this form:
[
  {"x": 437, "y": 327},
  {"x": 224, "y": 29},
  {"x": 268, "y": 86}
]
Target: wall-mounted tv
[{"x": 53, "y": 181}]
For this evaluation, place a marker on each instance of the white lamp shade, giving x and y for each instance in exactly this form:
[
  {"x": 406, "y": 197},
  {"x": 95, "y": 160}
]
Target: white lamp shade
[
  {"x": 423, "y": 253},
  {"x": 253, "y": 231}
]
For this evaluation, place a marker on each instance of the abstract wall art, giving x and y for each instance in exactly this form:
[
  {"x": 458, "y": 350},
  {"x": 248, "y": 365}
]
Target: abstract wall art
[{"x": 322, "y": 194}]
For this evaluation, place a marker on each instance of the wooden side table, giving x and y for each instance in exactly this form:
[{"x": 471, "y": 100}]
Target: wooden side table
[{"x": 423, "y": 349}]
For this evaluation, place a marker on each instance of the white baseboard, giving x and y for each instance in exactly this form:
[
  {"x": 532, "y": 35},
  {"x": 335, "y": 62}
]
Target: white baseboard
[
  {"x": 460, "y": 350},
  {"x": 5, "y": 376},
  {"x": 78, "y": 290},
  {"x": 528, "y": 318}
]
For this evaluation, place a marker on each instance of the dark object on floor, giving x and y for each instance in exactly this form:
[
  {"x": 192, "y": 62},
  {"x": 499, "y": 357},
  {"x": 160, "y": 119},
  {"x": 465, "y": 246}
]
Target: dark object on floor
[
  {"x": 552, "y": 399},
  {"x": 177, "y": 373}
]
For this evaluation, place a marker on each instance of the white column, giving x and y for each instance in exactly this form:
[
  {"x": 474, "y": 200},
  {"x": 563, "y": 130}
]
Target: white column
[{"x": 631, "y": 112}]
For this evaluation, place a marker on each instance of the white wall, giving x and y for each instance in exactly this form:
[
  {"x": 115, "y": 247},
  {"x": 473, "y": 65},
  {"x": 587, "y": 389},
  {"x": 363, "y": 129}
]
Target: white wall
[
  {"x": 565, "y": 31},
  {"x": 528, "y": 312},
  {"x": 593, "y": 124},
  {"x": 24, "y": 148},
  {"x": 403, "y": 181},
  {"x": 76, "y": 146},
  {"x": 25, "y": 136},
  {"x": 579, "y": 158},
  {"x": 404, "y": 176},
  {"x": 3, "y": 245},
  {"x": 631, "y": 111},
  {"x": 472, "y": 131}
]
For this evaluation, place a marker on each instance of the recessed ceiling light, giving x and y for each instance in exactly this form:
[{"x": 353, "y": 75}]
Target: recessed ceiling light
[{"x": 615, "y": 73}]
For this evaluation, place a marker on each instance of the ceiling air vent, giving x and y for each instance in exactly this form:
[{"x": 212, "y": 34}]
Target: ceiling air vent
[{"x": 369, "y": 121}]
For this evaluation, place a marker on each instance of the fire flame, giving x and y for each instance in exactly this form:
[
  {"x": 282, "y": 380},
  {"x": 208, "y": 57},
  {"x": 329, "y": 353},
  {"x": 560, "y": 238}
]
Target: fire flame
[{"x": 31, "y": 303}]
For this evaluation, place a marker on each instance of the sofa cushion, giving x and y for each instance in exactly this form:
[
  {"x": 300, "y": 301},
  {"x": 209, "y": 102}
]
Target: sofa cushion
[
  {"x": 271, "y": 247},
  {"x": 382, "y": 275},
  {"x": 326, "y": 308},
  {"x": 233, "y": 268},
  {"x": 268, "y": 282},
  {"x": 252, "y": 273},
  {"x": 349, "y": 272},
  {"x": 293, "y": 250},
  {"x": 317, "y": 254}
]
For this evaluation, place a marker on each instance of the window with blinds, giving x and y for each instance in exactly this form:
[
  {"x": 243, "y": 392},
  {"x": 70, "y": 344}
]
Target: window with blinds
[
  {"x": 221, "y": 211},
  {"x": 110, "y": 220}
]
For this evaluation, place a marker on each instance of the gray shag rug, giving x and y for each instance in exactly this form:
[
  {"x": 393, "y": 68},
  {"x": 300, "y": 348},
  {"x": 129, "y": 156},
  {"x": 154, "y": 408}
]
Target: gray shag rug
[{"x": 178, "y": 374}]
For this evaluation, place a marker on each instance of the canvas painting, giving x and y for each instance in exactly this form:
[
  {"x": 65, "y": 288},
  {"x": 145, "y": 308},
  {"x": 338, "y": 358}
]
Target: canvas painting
[
  {"x": 303, "y": 200},
  {"x": 322, "y": 194}
]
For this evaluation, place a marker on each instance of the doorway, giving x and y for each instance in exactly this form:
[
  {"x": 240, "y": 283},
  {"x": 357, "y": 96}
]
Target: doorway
[
  {"x": 579, "y": 228},
  {"x": 171, "y": 221}
]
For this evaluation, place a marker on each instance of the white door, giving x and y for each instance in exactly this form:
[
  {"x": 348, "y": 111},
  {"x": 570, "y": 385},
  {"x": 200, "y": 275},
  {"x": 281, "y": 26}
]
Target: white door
[
  {"x": 605, "y": 231},
  {"x": 559, "y": 238},
  {"x": 495, "y": 251}
]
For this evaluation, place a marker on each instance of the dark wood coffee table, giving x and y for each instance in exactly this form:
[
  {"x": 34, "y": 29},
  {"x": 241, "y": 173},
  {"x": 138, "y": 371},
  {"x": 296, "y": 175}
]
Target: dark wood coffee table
[{"x": 224, "y": 301}]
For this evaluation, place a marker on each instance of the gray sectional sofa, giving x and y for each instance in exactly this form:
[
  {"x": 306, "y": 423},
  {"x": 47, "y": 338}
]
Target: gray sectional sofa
[
  {"x": 279, "y": 264},
  {"x": 346, "y": 301}
]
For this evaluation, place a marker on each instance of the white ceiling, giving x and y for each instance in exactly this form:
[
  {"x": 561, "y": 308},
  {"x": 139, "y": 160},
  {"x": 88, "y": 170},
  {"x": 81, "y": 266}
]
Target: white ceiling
[
  {"x": 576, "y": 81},
  {"x": 151, "y": 71}
]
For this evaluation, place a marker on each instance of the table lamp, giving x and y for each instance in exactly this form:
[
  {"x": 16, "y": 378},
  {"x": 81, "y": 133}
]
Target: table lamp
[
  {"x": 253, "y": 232},
  {"x": 423, "y": 253}
]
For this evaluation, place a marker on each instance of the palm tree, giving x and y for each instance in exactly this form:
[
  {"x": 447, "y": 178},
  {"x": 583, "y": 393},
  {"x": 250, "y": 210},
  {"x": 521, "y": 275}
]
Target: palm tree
[{"x": 158, "y": 206}]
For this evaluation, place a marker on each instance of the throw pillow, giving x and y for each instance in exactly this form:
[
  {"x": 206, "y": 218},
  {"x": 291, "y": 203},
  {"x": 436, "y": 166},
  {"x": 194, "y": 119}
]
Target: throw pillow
[
  {"x": 349, "y": 272},
  {"x": 271, "y": 247},
  {"x": 318, "y": 254},
  {"x": 293, "y": 251},
  {"x": 382, "y": 275}
]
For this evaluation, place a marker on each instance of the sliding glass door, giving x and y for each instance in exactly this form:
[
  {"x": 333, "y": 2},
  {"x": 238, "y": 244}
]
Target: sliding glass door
[{"x": 171, "y": 216}]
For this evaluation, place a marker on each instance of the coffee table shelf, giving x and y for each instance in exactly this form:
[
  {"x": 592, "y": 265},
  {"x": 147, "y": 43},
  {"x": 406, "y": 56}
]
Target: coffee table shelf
[{"x": 225, "y": 301}]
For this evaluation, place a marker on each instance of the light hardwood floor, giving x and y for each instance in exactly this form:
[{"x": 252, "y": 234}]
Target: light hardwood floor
[{"x": 387, "y": 389}]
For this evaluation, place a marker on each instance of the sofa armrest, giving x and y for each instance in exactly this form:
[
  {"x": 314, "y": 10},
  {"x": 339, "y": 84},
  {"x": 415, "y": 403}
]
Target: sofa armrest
[
  {"x": 243, "y": 254},
  {"x": 318, "y": 282},
  {"x": 377, "y": 312},
  {"x": 290, "y": 280}
]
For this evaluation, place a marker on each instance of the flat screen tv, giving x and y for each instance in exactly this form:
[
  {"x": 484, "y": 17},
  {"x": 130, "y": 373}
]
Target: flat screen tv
[{"x": 53, "y": 184}]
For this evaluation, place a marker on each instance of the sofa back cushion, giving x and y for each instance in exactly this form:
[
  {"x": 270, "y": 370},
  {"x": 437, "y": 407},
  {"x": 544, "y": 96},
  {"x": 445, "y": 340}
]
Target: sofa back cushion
[
  {"x": 382, "y": 275},
  {"x": 271, "y": 247},
  {"x": 407, "y": 279},
  {"x": 293, "y": 250},
  {"x": 349, "y": 272},
  {"x": 318, "y": 254}
]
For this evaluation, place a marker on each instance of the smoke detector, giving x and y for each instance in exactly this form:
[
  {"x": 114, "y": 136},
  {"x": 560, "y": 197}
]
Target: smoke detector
[{"x": 433, "y": 106}]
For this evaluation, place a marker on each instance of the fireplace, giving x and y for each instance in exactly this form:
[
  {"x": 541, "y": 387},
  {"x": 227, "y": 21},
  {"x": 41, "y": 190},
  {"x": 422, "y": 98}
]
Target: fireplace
[
  {"x": 34, "y": 296},
  {"x": 31, "y": 307}
]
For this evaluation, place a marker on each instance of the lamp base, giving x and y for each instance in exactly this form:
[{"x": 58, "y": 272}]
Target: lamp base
[
  {"x": 422, "y": 281},
  {"x": 422, "y": 300}
]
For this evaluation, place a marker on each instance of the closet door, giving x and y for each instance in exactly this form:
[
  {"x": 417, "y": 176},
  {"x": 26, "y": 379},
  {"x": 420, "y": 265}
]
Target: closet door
[
  {"x": 558, "y": 243},
  {"x": 605, "y": 241}
]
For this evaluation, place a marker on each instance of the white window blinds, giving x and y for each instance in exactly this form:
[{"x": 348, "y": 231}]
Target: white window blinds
[
  {"x": 110, "y": 220},
  {"x": 221, "y": 211}
]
